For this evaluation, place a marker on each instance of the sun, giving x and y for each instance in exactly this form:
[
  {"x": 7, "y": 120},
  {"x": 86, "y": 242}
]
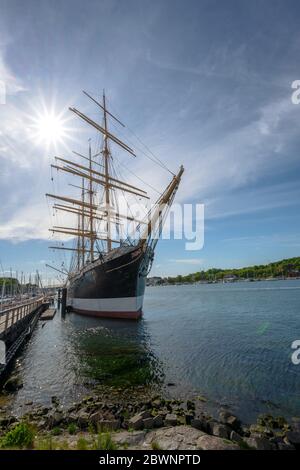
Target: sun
[
  {"x": 49, "y": 128},
  {"x": 49, "y": 125}
]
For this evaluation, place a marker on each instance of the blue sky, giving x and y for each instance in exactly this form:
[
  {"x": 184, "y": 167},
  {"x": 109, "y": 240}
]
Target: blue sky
[{"x": 203, "y": 83}]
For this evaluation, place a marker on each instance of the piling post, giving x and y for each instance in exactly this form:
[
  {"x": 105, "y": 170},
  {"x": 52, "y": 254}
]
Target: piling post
[{"x": 63, "y": 300}]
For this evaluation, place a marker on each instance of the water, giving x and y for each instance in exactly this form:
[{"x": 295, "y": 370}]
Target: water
[{"x": 228, "y": 342}]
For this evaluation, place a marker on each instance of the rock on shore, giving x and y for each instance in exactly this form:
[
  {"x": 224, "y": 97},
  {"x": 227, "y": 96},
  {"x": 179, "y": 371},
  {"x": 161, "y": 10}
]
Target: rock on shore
[{"x": 155, "y": 423}]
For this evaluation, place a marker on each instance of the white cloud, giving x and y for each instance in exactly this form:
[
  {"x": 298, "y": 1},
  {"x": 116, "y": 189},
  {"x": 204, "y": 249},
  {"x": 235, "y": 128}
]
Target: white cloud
[
  {"x": 253, "y": 200},
  {"x": 12, "y": 84},
  {"x": 241, "y": 157},
  {"x": 26, "y": 223},
  {"x": 212, "y": 174},
  {"x": 25, "y": 170},
  {"x": 276, "y": 239},
  {"x": 193, "y": 261},
  {"x": 214, "y": 168}
]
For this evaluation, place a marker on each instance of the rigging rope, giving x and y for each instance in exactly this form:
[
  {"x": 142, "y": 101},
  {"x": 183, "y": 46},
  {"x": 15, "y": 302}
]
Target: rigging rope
[
  {"x": 154, "y": 158},
  {"x": 138, "y": 177}
]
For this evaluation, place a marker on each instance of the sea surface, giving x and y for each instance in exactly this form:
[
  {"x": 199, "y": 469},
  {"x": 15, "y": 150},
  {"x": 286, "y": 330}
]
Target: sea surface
[{"x": 230, "y": 343}]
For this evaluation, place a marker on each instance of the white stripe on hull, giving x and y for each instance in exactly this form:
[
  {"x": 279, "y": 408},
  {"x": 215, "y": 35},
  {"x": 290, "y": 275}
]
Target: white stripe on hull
[{"x": 122, "y": 304}]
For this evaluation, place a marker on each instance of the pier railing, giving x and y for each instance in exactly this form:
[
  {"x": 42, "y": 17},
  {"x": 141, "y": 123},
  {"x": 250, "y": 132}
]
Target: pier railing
[{"x": 14, "y": 314}]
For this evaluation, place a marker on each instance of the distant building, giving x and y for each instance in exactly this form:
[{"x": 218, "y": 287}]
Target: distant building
[
  {"x": 294, "y": 273},
  {"x": 230, "y": 278},
  {"x": 154, "y": 281}
]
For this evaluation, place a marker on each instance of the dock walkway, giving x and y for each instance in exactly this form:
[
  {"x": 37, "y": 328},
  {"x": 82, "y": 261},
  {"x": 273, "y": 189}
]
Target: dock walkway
[
  {"x": 16, "y": 325},
  {"x": 12, "y": 315}
]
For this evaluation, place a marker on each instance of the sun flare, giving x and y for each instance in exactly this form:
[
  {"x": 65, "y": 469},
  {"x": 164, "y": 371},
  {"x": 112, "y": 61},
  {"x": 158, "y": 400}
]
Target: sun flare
[{"x": 49, "y": 128}]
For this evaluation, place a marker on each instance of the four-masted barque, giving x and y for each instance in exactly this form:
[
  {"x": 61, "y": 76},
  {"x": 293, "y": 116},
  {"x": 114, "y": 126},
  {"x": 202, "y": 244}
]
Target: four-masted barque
[{"x": 108, "y": 269}]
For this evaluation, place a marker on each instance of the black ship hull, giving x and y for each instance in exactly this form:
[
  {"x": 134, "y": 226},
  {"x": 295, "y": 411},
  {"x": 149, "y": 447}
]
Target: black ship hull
[{"x": 112, "y": 287}]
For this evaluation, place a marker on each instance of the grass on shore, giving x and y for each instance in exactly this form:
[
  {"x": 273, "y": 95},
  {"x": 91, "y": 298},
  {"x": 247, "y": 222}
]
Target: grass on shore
[
  {"x": 23, "y": 436},
  {"x": 20, "y": 436}
]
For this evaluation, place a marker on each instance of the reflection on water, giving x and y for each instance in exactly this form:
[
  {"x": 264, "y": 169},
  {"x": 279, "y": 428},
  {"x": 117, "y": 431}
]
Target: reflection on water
[{"x": 230, "y": 343}]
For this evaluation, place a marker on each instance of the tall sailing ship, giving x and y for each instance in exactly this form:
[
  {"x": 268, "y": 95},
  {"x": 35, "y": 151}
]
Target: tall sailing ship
[{"x": 109, "y": 265}]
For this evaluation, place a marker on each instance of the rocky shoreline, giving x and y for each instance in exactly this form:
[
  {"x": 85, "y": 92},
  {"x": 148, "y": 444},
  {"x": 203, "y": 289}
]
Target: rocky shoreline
[{"x": 108, "y": 422}]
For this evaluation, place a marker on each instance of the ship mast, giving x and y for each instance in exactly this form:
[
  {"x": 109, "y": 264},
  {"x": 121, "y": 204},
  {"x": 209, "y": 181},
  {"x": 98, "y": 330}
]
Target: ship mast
[
  {"x": 106, "y": 169},
  {"x": 82, "y": 253},
  {"x": 78, "y": 243},
  {"x": 90, "y": 214},
  {"x": 162, "y": 206},
  {"x": 92, "y": 239}
]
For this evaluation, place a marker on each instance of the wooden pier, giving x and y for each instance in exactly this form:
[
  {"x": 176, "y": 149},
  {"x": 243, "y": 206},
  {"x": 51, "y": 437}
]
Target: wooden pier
[
  {"x": 48, "y": 314},
  {"x": 12, "y": 315},
  {"x": 17, "y": 323}
]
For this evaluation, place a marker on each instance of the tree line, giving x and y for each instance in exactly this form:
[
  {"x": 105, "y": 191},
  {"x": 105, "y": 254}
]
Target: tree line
[{"x": 285, "y": 268}]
